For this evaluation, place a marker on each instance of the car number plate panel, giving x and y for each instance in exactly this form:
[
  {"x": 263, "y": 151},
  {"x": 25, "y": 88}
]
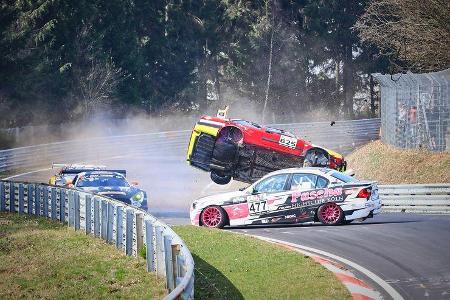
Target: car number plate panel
[{"x": 288, "y": 141}]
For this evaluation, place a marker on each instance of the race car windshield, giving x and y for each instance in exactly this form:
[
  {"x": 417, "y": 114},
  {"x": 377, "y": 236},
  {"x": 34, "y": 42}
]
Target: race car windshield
[
  {"x": 98, "y": 181},
  {"x": 342, "y": 177}
]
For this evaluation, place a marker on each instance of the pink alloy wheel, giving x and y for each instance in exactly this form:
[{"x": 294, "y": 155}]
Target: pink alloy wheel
[
  {"x": 211, "y": 216},
  {"x": 330, "y": 213}
]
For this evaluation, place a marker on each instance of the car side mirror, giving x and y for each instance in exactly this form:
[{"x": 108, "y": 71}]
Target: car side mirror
[{"x": 254, "y": 191}]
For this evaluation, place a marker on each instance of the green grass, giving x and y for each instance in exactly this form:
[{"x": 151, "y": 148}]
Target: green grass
[
  {"x": 40, "y": 258},
  {"x": 232, "y": 266}
]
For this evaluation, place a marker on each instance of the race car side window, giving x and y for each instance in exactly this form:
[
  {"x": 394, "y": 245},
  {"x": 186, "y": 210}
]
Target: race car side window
[
  {"x": 303, "y": 182},
  {"x": 321, "y": 182},
  {"x": 272, "y": 184}
]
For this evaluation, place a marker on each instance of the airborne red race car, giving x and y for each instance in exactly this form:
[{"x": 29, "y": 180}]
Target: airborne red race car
[{"x": 246, "y": 151}]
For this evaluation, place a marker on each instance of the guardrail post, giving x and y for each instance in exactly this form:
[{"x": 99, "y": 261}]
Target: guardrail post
[
  {"x": 119, "y": 228},
  {"x": 129, "y": 233},
  {"x": 109, "y": 229},
  {"x": 30, "y": 199},
  {"x": 96, "y": 217},
  {"x": 21, "y": 198},
  {"x": 139, "y": 232},
  {"x": 45, "y": 201},
  {"x": 2, "y": 197},
  {"x": 53, "y": 202},
  {"x": 12, "y": 206},
  {"x": 37, "y": 202},
  {"x": 150, "y": 254},
  {"x": 62, "y": 205},
  {"x": 104, "y": 219},
  {"x": 76, "y": 200},
  {"x": 175, "y": 252},
  {"x": 71, "y": 207},
  {"x": 168, "y": 262},
  {"x": 88, "y": 214},
  {"x": 159, "y": 249}
]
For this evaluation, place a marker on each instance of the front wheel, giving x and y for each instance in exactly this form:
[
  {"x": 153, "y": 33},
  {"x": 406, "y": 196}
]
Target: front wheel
[
  {"x": 220, "y": 179},
  {"x": 213, "y": 217},
  {"x": 330, "y": 214}
]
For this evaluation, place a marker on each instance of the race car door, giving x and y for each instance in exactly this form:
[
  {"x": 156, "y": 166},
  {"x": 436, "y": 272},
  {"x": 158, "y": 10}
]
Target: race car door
[{"x": 266, "y": 196}]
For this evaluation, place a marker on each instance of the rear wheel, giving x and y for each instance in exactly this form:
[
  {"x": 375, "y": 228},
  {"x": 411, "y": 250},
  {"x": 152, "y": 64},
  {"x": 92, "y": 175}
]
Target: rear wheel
[
  {"x": 219, "y": 178},
  {"x": 213, "y": 217},
  {"x": 330, "y": 214}
]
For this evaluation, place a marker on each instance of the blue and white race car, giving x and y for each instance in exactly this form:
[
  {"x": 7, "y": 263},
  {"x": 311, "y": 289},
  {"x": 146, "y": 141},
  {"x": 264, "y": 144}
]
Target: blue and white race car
[
  {"x": 294, "y": 195},
  {"x": 111, "y": 184}
]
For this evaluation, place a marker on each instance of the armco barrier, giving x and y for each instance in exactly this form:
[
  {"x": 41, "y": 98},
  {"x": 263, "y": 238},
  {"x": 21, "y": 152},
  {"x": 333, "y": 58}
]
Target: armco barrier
[
  {"x": 343, "y": 136},
  {"x": 416, "y": 198},
  {"x": 128, "y": 228}
]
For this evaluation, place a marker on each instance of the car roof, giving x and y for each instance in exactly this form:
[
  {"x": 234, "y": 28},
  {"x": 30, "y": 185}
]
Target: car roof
[
  {"x": 309, "y": 170},
  {"x": 101, "y": 173}
]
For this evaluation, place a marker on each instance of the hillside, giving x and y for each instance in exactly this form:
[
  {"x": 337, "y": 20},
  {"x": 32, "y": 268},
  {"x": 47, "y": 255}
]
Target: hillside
[{"x": 388, "y": 165}]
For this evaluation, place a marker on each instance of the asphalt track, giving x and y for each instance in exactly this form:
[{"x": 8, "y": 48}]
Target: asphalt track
[{"x": 410, "y": 252}]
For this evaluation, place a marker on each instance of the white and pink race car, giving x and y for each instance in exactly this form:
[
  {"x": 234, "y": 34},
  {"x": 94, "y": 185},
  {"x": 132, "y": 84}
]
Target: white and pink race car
[{"x": 296, "y": 195}]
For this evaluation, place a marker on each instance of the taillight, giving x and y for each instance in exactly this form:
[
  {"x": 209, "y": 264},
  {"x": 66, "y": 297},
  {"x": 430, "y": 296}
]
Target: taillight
[{"x": 364, "y": 193}]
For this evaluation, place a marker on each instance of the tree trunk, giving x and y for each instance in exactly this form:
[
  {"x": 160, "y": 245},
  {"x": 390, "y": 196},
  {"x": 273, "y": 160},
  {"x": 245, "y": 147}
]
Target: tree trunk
[
  {"x": 348, "y": 82},
  {"x": 269, "y": 77}
]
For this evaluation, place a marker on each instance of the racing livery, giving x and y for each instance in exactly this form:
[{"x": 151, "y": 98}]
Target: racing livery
[
  {"x": 246, "y": 151},
  {"x": 111, "y": 184},
  {"x": 293, "y": 195},
  {"x": 68, "y": 172}
]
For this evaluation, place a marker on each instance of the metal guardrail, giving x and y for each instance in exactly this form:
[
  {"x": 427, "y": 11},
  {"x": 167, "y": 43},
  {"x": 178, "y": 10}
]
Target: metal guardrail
[
  {"x": 416, "y": 198},
  {"x": 343, "y": 136},
  {"x": 128, "y": 228}
]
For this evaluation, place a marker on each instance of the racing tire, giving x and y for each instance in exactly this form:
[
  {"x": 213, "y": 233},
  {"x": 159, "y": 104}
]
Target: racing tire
[
  {"x": 220, "y": 179},
  {"x": 213, "y": 217},
  {"x": 330, "y": 214}
]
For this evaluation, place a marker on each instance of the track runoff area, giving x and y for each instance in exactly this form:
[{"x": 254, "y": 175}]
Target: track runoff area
[{"x": 398, "y": 255}]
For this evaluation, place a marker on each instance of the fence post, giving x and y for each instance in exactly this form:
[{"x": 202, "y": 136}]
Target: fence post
[
  {"x": 71, "y": 208},
  {"x": 37, "y": 202},
  {"x": 119, "y": 228},
  {"x": 21, "y": 198},
  {"x": 129, "y": 233},
  {"x": 150, "y": 254},
  {"x": 53, "y": 202},
  {"x": 104, "y": 219},
  {"x": 139, "y": 232},
  {"x": 76, "y": 200},
  {"x": 45, "y": 201},
  {"x": 159, "y": 249},
  {"x": 168, "y": 262},
  {"x": 96, "y": 217},
  {"x": 30, "y": 199},
  {"x": 88, "y": 214},
  {"x": 12, "y": 206},
  {"x": 109, "y": 229},
  {"x": 62, "y": 205},
  {"x": 2, "y": 197}
]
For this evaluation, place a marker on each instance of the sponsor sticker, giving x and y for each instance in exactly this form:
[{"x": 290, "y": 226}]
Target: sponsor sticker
[{"x": 288, "y": 141}]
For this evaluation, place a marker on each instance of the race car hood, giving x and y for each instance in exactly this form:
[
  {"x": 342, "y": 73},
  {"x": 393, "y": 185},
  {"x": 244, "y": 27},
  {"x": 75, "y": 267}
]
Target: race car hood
[{"x": 217, "y": 199}]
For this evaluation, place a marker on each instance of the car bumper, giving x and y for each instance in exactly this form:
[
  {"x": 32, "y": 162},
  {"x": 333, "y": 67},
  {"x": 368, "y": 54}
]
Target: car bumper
[
  {"x": 361, "y": 208},
  {"x": 195, "y": 217}
]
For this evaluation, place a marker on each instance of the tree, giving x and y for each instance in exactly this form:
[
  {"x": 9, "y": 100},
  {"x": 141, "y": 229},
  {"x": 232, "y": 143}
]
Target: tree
[{"x": 413, "y": 34}]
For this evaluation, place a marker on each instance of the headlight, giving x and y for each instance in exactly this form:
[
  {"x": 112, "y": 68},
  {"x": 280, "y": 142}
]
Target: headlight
[{"x": 139, "y": 196}]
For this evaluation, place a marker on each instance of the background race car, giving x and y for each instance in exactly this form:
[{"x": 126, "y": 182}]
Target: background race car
[
  {"x": 68, "y": 172},
  {"x": 291, "y": 196},
  {"x": 246, "y": 151},
  {"x": 113, "y": 185}
]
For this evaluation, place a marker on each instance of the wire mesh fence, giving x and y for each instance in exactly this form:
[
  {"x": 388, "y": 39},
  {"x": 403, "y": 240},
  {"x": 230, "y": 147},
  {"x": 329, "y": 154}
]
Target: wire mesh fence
[{"x": 415, "y": 110}]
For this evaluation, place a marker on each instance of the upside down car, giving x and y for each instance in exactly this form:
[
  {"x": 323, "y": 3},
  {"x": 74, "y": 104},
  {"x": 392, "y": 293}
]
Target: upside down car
[
  {"x": 295, "y": 195},
  {"x": 246, "y": 151}
]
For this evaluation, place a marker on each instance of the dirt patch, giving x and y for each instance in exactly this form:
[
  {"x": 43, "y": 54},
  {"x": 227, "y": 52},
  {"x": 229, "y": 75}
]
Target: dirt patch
[{"x": 389, "y": 165}]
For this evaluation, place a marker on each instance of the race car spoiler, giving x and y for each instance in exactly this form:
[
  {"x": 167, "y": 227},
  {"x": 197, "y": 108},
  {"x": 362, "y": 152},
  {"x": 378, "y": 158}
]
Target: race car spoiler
[
  {"x": 76, "y": 171},
  {"x": 79, "y": 168}
]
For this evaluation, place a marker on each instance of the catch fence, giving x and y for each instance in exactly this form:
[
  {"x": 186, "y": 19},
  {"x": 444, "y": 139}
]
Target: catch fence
[
  {"x": 415, "y": 110},
  {"x": 130, "y": 229}
]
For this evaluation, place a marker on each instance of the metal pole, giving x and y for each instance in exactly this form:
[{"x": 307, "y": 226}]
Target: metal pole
[
  {"x": 62, "y": 205},
  {"x": 129, "y": 233},
  {"x": 88, "y": 214},
  {"x": 168, "y": 262},
  {"x": 12, "y": 206},
  {"x": 119, "y": 228},
  {"x": 150, "y": 254},
  {"x": 53, "y": 206},
  {"x": 21, "y": 198},
  {"x": 2, "y": 197},
  {"x": 30, "y": 199}
]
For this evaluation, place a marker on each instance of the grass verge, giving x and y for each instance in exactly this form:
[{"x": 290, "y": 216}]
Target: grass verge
[
  {"x": 389, "y": 165},
  {"x": 231, "y": 266},
  {"x": 40, "y": 258}
]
